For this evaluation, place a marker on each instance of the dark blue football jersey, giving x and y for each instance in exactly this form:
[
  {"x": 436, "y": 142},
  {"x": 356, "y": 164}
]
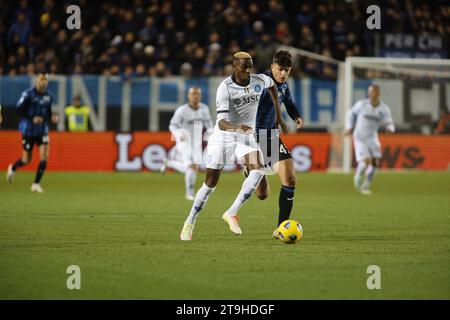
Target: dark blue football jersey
[
  {"x": 265, "y": 117},
  {"x": 32, "y": 104}
]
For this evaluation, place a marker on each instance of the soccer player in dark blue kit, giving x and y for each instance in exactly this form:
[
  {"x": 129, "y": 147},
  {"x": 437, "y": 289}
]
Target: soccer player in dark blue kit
[
  {"x": 34, "y": 108},
  {"x": 280, "y": 160}
]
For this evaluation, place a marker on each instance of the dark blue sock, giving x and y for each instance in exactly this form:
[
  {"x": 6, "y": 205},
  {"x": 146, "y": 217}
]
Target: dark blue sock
[
  {"x": 19, "y": 163},
  {"x": 40, "y": 171},
  {"x": 285, "y": 202}
]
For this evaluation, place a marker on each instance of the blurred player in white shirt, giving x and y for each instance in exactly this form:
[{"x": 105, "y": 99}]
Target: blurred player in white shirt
[
  {"x": 364, "y": 119},
  {"x": 186, "y": 126},
  {"x": 237, "y": 104}
]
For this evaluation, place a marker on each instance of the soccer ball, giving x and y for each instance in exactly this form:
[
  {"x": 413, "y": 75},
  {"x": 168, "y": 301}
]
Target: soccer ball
[{"x": 290, "y": 231}]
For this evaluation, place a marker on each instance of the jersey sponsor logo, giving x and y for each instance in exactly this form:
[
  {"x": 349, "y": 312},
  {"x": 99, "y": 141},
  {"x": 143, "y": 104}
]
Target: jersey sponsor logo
[
  {"x": 237, "y": 101},
  {"x": 247, "y": 100},
  {"x": 257, "y": 88},
  {"x": 372, "y": 117}
]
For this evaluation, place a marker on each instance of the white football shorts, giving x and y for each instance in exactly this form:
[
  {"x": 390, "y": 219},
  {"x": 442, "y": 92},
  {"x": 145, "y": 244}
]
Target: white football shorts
[
  {"x": 227, "y": 147},
  {"x": 189, "y": 154},
  {"x": 367, "y": 149}
]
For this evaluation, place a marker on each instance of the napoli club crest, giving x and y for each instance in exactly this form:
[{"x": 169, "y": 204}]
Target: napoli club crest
[{"x": 257, "y": 88}]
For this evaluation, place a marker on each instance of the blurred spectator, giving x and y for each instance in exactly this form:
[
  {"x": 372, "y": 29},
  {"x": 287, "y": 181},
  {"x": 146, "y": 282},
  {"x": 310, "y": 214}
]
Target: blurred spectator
[
  {"x": 197, "y": 37},
  {"x": 443, "y": 125},
  {"x": 19, "y": 32},
  {"x": 77, "y": 116}
]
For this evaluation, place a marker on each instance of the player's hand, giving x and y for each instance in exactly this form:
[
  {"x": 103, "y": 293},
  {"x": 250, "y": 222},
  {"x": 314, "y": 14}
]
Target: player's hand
[
  {"x": 348, "y": 132},
  {"x": 243, "y": 128},
  {"x": 38, "y": 120},
  {"x": 55, "y": 118},
  {"x": 299, "y": 122}
]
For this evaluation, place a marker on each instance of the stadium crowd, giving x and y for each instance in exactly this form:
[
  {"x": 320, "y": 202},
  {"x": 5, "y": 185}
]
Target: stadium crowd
[{"x": 196, "y": 37}]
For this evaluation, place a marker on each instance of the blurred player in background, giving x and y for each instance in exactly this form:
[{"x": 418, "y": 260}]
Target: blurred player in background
[
  {"x": 266, "y": 129},
  {"x": 237, "y": 103},
  {"x": 364, "y": 120},
  {"x": 34, "y": 108},
  {"x": 186, "y": 126}
]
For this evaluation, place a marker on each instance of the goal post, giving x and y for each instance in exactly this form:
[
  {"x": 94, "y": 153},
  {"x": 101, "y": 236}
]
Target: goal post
[
  {"x": 414, "y": 89},
  {"x": 408, "y": 85}
]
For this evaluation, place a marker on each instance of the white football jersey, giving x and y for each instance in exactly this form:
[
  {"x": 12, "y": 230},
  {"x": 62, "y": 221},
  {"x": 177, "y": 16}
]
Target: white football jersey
[
  {"x": 239, "y": 104},
  {"x": 367, "y": 120},
  {"x": 185, "y": 119}
]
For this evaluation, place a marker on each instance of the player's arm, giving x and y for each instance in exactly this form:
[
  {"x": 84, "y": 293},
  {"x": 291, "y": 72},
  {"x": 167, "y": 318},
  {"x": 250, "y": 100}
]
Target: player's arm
[
  {"x": 50, "y": 116},
  {"x": 279, "y": 119},
  {"x": 291, "y": 109},
  {"x": 350, "y": 119},
  {"x": 227, "y": 126},
  {"x": 207, "y": 124},
  {"x": 388, "y": 122},
  {"x": 175, "y": 126},
  {"x": 22, "y": 107},
  {"x": 223, "y": 108}
]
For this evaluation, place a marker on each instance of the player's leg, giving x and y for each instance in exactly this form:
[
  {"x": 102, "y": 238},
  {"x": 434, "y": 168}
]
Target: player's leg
[
  {"x": 263, "y": 190},
  {"x": 189, "y": 180},
  {"x": 375, "y": 150},
  {"x": 370, "y": 173},
  {"x": 178, "y": 162},
  {"x": 256, "y": 174},
  {"x": 284, "y": 166},
  {"x": 43, "y": 154},
  {"x": 264, "y": 143},
  {"x": 214, "y": 164},
  {"x": 192, "y": 160},
  {"x": 286, "y": 173},
  {"x": 363, "y": 159},
  {"x": 202, "y": 196},
  {"x": 27, "y": 145},
  {"x": 174, "y": 164}
]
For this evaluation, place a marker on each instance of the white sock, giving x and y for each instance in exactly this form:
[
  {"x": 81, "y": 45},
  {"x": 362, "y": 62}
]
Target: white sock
[
  {"x": 189, "y": 180},
  {"x": 248, "y": 187},
  {"x": 360, "y": 168},
  {"x": 370, "y": 172},
  {"x": 177, "y": 165},
  {"x": 200, "y": 200}
]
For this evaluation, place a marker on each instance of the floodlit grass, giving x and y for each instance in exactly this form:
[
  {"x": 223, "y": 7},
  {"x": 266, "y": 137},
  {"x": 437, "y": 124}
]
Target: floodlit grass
[{"x": 122, "y": 230}]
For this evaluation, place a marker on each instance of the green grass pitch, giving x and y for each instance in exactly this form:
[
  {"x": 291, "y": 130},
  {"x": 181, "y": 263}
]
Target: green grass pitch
[{"x": 122, "y": 230}]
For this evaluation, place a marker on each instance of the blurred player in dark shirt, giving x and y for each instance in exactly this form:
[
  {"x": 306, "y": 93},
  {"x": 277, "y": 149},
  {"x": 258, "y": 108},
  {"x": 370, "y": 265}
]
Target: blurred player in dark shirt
[{"x": 34, "y": 108}]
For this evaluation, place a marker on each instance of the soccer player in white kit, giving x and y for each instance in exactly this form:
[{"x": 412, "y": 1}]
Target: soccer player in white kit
[
  {"x": 237, "y": 104},
  {"x": 364, "y": 119},
  {"x": 186, "y": 126}
]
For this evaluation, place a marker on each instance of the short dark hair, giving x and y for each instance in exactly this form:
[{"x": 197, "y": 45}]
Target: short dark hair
[{"x": 283, "y": 58}]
